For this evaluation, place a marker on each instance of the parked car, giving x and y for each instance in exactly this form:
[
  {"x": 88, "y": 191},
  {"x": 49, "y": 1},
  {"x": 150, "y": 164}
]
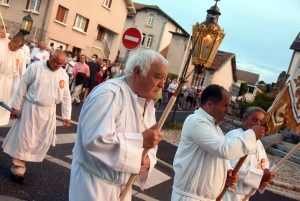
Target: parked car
[{"x": 158, "y": 100}]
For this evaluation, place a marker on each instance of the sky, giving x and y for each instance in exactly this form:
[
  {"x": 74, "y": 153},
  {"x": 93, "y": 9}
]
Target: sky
[{"x": 258, "y": 32}]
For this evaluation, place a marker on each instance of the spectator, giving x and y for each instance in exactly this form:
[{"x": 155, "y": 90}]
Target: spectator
[
  {"x": 80, "y": 71},
  {"x": 38, "y": 54},
  {"x": 90, "y": 82},
  {"x": 172, "y": 87}
]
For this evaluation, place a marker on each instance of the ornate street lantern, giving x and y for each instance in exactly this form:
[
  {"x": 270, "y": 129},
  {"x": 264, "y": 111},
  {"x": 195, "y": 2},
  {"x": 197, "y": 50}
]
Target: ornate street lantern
[
  {"x": 26, "y": 24},
  {"x": 207, "y": 38}
]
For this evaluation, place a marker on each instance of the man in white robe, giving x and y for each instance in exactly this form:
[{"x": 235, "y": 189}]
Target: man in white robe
[
  {"x": 116, "y": 123},
  {"x": 254, "y": 173},
  {"x": 200, "y": 164},
  {"x": 3, "y": 35},
  {"x": 44, "y": 85},
  {"x": 12, "y": 68},
  {"x": 39, "y": 54}
]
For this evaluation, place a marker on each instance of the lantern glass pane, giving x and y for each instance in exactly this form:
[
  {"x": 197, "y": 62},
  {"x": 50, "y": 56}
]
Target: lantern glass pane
[
  {"x": 214, "y": 49},
  {"x": 195, "y": 53},
  {"x": 29, "y": 27},
  {"x": 206, "y": 46}
]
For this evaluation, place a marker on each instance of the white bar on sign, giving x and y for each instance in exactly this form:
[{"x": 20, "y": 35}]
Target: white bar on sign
[{"x": 131, "y": 38}]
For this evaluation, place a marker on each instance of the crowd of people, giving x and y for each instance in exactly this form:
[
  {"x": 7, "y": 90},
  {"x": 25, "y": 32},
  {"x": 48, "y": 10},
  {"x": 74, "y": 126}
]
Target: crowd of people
[
  {"x": 189, "y": 97},
  {"x": 117, "y": 122}
]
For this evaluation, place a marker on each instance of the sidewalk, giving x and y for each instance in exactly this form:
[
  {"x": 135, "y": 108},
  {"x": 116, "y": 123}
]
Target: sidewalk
[{"x": 286, "y": 183}]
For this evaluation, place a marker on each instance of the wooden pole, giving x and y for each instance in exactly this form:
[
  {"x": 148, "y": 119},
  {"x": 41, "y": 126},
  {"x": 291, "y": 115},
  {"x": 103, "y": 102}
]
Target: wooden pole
[{"x": 234, "y": 172}]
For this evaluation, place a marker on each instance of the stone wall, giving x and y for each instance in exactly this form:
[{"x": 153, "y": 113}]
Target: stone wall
[
  {"x": 282, "y": 78},
  {"x": 230, "y": 123},
  {"x": 13, "y": 28},
  {"x": 290, "y": 136}
]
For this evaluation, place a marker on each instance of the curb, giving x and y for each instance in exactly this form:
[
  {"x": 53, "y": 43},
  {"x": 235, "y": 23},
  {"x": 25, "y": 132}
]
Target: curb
[{"x": 274, "y": 182}]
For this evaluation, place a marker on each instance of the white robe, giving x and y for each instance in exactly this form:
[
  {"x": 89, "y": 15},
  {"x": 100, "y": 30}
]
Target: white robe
[
  {"x": 12, "y": 68},
  {"x": 26, "y": 52},
  {"x": 109, "y": 142},
  {"x": 250, "y": 175},
  {"x": 31, "y": 136},
  {"x": 200, "y": 163},
  {"x": 36, "y": 53}
]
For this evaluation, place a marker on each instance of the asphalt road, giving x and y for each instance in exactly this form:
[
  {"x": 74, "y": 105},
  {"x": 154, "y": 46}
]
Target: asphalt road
[{"x": 49, "y": 180}]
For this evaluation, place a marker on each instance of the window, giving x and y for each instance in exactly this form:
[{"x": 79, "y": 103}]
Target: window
[
  {"x": 107, "y": 3},
  {"x": 149, "y": 41},
  {"x": 143, "y": 39},
  {"x": 33, "y": 5},
  {"x": 250, "y": 89},
  {"x": 4, "y": 2},
  {"x": 150, "y": 20},
  {"x": 81, "y": 23},
  {"x": 61, "y": 14}
]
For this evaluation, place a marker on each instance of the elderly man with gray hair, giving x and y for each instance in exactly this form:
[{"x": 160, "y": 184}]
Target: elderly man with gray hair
[
  {"x": 43, "y": 85},
  {"x": 116, "y": 123},
  {"x": 39, "y": 54},
  {"x": 254, "y": 173}
]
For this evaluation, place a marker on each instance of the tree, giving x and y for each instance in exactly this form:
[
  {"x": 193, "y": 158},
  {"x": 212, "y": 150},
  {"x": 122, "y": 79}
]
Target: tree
[
  {"x": 243, "y": 89},
  {"x": 261, "y": 100},
  {"x": 261, "y": 82},
  {"x": 263, "y": 88},
  {"x": 268, "y": 88}
]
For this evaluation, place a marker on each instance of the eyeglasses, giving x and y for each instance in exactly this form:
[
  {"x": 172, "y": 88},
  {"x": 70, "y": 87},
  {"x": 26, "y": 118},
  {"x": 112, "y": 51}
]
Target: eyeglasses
[
  {"x": 255, "y": 120},
  {"x": 56, "y": 63},
  {"x": 159, "y": 78}
]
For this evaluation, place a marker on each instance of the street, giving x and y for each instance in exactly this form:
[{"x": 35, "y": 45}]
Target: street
[{"x": 49, "y": 180}]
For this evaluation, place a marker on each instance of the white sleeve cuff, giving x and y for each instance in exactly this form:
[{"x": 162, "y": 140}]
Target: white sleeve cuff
[
  {"x": 133, "y": 148},
  {"x": 253, "y": 177}
]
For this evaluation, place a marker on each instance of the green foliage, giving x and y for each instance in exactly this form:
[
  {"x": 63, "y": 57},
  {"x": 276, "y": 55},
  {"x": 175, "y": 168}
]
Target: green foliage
[
  {"x": 243, "y": 89},
  {"x": 175, "y": 126},
  {"x": 172, "y": 76},
  {"x": 263, "y": 88},
  {"x": 268, "y": 88},
  {"x": 261, "y": 100},
  {"x": 261, "y": 82}
]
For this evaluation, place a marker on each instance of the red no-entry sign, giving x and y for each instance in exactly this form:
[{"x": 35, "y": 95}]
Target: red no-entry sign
[{"x": 132, "y": 38}]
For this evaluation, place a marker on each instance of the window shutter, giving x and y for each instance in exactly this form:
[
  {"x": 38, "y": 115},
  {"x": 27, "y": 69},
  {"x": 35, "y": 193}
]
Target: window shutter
[
  {"x": 110, "y": 1},
  {"x": 86, "y": 25},
  {"x": 27, "y": 4},
  {"x": 60, "y": 13}
]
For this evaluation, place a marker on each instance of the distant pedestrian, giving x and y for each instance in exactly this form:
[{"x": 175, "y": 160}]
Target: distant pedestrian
[
  {"x": 90, "y": 82},
  {"x": 44, "y": 85},
  {"x": 172, "y": 87},
  {"x": 39, "y": 54},
  {"x": 80, "y": 71}
]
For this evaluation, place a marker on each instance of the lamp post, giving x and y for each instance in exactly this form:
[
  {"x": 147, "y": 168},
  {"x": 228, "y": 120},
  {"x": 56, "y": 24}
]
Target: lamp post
[
  {"x": 206, "y": 40},
  {"x": 26, "y": 24}
]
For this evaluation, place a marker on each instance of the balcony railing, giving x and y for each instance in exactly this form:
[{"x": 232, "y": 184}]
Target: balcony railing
[{"x": 103, "y": 45}]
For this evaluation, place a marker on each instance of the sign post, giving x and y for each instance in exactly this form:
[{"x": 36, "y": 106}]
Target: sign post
[{"x": 131, "y": 39}]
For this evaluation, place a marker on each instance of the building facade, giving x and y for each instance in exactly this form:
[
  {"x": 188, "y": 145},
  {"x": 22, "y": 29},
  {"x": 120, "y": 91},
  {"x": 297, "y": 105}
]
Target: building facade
[
  {"x": 88, "y": 27},
  {"x": 155, "y": 26},
  {"x": 295, "y": 60}
]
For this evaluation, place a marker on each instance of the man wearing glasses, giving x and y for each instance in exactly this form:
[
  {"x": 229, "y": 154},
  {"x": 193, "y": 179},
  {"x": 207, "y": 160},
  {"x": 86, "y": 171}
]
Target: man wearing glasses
[
  {"x": 116, "y": 123},
  {"x": 254, "y": 173},
  {"x": 43, "y": 85},
  {"x": 80, "y": 71}
]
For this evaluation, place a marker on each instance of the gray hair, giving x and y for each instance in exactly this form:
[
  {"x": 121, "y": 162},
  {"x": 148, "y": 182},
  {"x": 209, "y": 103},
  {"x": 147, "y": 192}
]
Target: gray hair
[
  {"x": 144, "y": 59},
  {"x": 251, "y": 109},
  {"x": 58, "y": 51}
]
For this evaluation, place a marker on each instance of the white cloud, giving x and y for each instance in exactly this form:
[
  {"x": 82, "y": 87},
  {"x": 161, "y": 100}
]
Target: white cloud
[{"x": 265, "y": 73}]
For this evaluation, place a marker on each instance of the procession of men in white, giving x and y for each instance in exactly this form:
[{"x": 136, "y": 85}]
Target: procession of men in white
[{"x": 117, "y": 122}]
